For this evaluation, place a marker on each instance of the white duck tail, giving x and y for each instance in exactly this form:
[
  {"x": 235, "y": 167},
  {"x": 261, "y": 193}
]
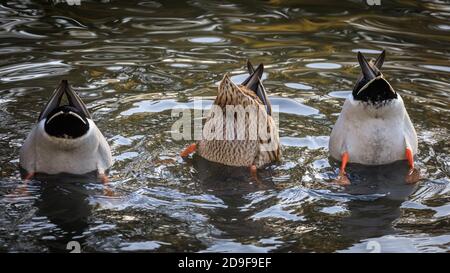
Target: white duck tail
[{"x": 65, "y": 139}]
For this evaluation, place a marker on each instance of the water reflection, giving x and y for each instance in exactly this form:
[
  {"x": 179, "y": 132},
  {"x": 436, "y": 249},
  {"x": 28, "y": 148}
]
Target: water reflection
[
  {"x": 235, "y": 233},
  {"x": 370, "y": 219},
  {"x": 64, "y": 203}
]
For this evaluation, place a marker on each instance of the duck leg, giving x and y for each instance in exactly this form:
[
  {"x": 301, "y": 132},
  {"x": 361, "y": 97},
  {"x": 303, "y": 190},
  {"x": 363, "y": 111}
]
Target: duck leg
[
  {"x": 107, "y": 191},
  {"x": 22, "y": 190},
  {"x": 254, "y": 172},
  {"x": 254, "y": 175},
  {"x": 189, "y": 150},
  {"x": 28, "y": 176},
  {"x": 104, "y": 178},
  {"x": 342, "y": 178},
  {"x": 413, "y": 175}
]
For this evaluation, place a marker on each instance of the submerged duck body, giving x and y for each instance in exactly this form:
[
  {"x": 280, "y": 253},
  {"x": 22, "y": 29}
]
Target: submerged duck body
[{"x": 65, "y": 139}]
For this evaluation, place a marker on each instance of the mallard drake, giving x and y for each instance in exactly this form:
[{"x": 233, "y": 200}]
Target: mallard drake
[
  {"x": 248, "y": 151},
  {"x": 374, "y": 127},
  {"x": 65, "y": 139}
]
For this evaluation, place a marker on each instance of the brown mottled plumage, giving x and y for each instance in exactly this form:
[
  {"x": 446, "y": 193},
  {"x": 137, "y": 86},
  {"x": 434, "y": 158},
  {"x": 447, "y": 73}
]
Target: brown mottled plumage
[{"x": 245, "y": 152}]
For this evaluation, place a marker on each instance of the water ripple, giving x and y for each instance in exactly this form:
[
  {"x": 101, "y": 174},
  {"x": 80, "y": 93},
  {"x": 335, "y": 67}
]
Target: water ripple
[{"x": 28, "y": 71}]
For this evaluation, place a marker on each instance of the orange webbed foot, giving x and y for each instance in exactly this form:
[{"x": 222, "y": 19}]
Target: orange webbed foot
[
  {"x": 413, "y": 176},
  {"x": 342, "y": 180},
  {"x": 104, "y": 178},
  {"x": 28, "y": 177},
  {"x": 107, "y": 191},
  {"x": 254, "y": 174},
  {"x": 189, "y": 150},
  {"x": 22, "y": 189}
]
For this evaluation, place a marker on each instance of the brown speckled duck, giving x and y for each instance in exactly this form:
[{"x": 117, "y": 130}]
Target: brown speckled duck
[{"x": 248, "y": 151}]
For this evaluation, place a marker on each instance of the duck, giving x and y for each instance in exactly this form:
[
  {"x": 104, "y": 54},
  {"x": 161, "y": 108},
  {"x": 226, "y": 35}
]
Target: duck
[
  {"x": 373, "y": 127},
  {"x": 65, "y": 140},
  {"x": 227, "y": 147}
]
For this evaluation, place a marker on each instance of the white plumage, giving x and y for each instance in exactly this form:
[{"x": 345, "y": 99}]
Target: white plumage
[
  {"x": 65, "y": 139},
  {"x": 42, "y": 153},
  {"x": 371, "y": 134}
]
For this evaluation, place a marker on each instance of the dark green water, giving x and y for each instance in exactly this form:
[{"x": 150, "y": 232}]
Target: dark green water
[{"x": 132, "y": 61}]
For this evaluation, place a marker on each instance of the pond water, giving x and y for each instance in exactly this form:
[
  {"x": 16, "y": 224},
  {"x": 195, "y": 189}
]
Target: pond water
[{"x": 133, "y": 61}]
